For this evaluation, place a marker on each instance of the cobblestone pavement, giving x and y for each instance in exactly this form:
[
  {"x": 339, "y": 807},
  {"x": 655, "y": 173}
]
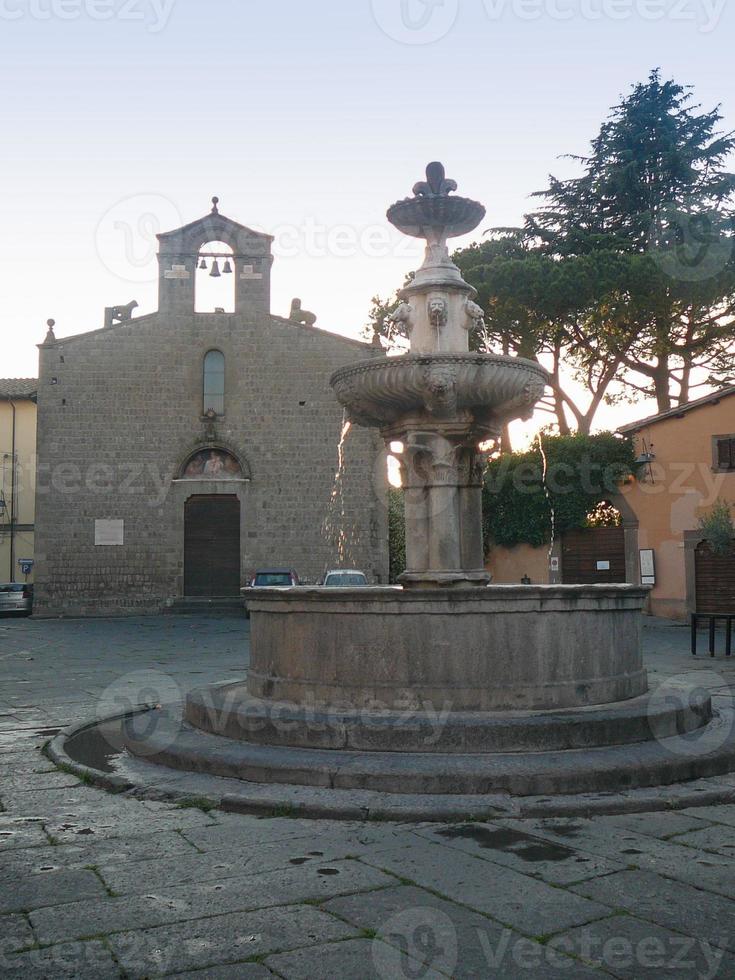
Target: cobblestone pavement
[{"x": 94, "y": 885}]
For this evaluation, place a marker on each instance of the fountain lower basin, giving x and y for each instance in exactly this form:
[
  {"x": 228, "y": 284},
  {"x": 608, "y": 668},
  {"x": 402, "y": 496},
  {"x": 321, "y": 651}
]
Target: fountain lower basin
[{"x": 495, "y": 648}]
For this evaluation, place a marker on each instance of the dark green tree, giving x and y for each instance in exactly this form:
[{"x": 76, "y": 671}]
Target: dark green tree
[
  {"x": 655, "y": 193},
  {"x": 625, "y": 277},
  {"x": 553, "y": 487}
]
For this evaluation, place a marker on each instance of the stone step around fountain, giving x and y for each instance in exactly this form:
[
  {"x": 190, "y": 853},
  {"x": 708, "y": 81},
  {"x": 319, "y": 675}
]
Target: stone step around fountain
[
  {"x": 709, "y": 751},
  {"x": 230, "y": 711}
]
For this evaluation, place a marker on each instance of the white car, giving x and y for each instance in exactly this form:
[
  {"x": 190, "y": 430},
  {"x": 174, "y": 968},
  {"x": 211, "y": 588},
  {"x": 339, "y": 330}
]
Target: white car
[
  {"x": 344, "y": 578},
  {"x": 16, "y": 597}
]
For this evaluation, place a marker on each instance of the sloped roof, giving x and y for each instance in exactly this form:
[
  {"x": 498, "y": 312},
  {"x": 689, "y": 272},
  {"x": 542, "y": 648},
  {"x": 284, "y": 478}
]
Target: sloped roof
[
  {"x": 680, "y": 410},
  {"x": 18, "y": 387},
  {"x": 214, "y": 226}
]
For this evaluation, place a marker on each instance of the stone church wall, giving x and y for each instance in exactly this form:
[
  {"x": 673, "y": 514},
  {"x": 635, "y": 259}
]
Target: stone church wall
[{"x": 120, "y": 409}]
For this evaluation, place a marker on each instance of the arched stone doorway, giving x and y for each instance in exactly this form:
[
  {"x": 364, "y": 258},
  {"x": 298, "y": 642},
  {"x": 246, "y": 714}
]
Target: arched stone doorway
[
  {"x": 212, "y": 545},
  {"x": 603, "y": 554},
  {"x": 212, "y": 478}
]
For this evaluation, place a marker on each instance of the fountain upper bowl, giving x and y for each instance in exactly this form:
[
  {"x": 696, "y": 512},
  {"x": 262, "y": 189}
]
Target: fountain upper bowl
[
  {"x": 452, "y": 215},
  {"x": 495, "y": 389}
]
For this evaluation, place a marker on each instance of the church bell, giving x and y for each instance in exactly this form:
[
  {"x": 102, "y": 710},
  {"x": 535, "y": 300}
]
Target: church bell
[
  {"x": 203, "y": 264},
  {"x": 215, "y": 273},
  {"x": 227, "y": 268}
]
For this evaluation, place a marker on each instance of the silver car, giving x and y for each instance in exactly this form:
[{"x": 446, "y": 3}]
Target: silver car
[
  {"x": 16, "y": 597},
  {"x": 345, "y": 578}
]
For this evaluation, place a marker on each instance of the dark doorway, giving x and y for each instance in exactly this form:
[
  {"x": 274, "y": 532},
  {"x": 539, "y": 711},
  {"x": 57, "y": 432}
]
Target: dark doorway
[
  {"x": 212, "y": 546},
  {"x": 593, "y": 555},
  {"x": 715, "y": 579}
]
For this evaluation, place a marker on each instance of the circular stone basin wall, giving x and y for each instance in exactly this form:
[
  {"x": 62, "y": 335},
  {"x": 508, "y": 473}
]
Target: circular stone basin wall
[{"x": 503, "y": 647}]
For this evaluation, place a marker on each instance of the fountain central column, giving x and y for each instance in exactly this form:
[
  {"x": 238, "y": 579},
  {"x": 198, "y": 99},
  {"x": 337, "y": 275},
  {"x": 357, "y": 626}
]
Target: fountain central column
[{"x": 441, "y": 464}]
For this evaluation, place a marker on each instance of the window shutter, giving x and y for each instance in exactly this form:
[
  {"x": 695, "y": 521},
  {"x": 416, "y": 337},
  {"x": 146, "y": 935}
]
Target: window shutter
[{"x": 725, "y": 453}]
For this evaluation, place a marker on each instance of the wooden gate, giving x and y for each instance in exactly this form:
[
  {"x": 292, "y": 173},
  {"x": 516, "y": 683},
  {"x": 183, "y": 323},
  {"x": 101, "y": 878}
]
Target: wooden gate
[
  {"x": 592, "y": 555},
  {"x": 212, "y": 546},
  {"x": 715, "y": 580}
]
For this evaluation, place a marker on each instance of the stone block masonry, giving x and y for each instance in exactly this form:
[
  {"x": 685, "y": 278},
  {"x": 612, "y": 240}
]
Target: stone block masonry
[{"x": 120, "y": 411}]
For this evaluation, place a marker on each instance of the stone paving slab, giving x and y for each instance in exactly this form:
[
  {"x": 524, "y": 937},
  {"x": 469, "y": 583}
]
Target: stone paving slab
[
  {"x": 671, "y": 904},
  {"x": 514, "y": 899},
  {"x": 234, "y": 828},
  {"x": 666, "y": 857},
  {"x": 164, "y": 848},
  {"x": 18, "y": 832},
  {"x": 12, "y": 766},
  {"x": 55, "y": 888},
  {"x": 237, "y": 971},
  {"x": 15, "y": 933},
  {"x": 157, "y": 907},
  {"x": 715, "y": 814},
  {"x": 108, "y": 819},
  {"x": 633, "y": 949},
  {"x": 551, "y": 862},
  {"x": 239, "y": 858},
  {"x": 659, "y": 824},
  {"x": 223, "y": 939},
  {"x": 29, "y": 781},
  {"x": 719, "y": 839},
  {"x": 364, "y": 958},
  {"x": 75, "y": 961},
  {"x": 450, "y": 938}
]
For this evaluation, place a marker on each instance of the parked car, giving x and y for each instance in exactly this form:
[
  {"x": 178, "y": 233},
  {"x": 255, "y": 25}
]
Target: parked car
[
  {"x": 271, "y": 578},
  {"x": 16, "y": 597},
  {"x": 274, "y": 578},
  {"x": 344, "y": 578}
]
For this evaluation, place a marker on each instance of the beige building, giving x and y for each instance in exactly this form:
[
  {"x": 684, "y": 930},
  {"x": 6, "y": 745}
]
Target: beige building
[
  {"x": 17, "y": 476},
  {"x": 688, "y": 464},
  {"x": 691, "y": 465}
]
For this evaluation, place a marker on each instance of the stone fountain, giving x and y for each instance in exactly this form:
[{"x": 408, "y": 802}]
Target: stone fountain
[
  {"x": 445, "y": 638},
  {"x": 436, "y": 697}
]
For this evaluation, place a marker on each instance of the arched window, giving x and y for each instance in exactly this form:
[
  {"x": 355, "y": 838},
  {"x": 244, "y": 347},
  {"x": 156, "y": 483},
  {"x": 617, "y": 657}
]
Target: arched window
[{"x": 214, "y": 383}]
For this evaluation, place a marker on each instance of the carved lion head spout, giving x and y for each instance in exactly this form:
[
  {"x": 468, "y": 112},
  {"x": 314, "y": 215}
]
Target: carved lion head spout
[
  {"x": 475, "y": 316},
  {"x": 533, "y": 390},
  {"x": 441, "y": 389},
  {"x": 438, "y": 312}
]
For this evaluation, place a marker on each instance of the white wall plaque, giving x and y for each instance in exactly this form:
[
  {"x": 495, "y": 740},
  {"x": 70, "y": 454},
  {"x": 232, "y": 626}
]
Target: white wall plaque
[
  {"x": 648, "y": 566},
  {"x": 603, "y": 566},
  {"x": 554, "y": 564},
  {"x": 248, "y": 273},
  {"x": 177, "y": 272},
  {"x": 108, "y": 532}
]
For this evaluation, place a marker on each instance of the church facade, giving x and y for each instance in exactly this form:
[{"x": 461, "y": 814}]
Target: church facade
[{"x": 180, "y": 451}]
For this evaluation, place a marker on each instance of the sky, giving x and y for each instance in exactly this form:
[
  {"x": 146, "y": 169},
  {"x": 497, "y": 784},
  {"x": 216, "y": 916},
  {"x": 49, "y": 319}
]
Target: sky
[{"x": 121, "y": 118}]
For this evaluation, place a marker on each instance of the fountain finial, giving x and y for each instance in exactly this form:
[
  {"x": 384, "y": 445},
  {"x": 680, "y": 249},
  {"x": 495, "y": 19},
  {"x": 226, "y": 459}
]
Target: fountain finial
[
  {"x": 431, "y": 213},
  {"x": 436, "y": 183}
]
